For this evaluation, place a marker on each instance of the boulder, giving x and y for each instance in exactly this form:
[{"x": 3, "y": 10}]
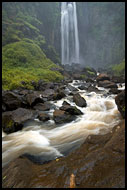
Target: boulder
[
  {"x": 11, "y": 100},
  {"x": 115, "y": 91},
  {"x": 79, "y": 101},
  {"x": 42, "y": 106},
  {"x": 48, "y": 94},
  {"x": 107, "y": 84},
  {"x": 61, "y": 116},
  {"x": 73, "y": 110},
  {"x": 71, "y": 88},
  {"x": 43, "y": 117},
  {"x": 120, "y": 101},
  {"x": 34, "y": 98},
  {"x": 13, "y": 121},
  {"x": 59, "y": 95},
  {"x": 102, "y": 77}
]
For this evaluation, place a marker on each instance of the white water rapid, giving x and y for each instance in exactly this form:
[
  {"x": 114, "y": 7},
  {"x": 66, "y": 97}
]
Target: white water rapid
[
  {"x": 69, "y": 33},
  {"x": 46, "y": 141}
]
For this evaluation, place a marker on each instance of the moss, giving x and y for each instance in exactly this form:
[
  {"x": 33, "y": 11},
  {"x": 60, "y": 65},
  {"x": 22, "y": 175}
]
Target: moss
[
  {"x": 91, "y": 73},
  {"x": 25, "y": 61},
  {"x": 83, "y": 76},
  {"x": 123, "y": 109}
]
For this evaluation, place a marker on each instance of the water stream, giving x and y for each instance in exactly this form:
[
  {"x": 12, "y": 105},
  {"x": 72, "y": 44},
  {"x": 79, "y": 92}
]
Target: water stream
[{"x": 46, "y": 141}]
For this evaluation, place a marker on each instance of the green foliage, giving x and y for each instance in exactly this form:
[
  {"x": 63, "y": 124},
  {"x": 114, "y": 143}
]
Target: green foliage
[
  {"x": 24, "y": 61},
  {"x": 83, "y": 76},
  {"x": 118, "y": 69}
]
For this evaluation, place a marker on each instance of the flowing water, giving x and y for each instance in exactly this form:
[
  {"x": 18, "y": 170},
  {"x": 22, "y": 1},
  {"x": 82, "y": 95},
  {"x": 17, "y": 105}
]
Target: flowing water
[
  {"x": 69, "y": 33},
  {"x": 46, "y": 141}
]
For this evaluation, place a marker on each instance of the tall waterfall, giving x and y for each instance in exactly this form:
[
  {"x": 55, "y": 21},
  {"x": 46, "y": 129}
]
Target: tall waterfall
[{"x": 69, "y": 33}]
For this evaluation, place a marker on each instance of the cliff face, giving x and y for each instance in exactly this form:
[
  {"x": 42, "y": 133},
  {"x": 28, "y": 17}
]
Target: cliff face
[{"x": 98, "y": 163}]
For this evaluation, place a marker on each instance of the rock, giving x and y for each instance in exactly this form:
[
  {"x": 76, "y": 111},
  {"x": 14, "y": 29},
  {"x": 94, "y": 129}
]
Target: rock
[
  {"x": 120, "y": 101},
  {"x": 43, "y": 116},
  {"x": 77, "y": 76},
  {"x": 107, "y": 84},
  {"x": 92, "y": 88},
  {"x": 65, "y": 103},
  {"x": 102, "y": 77},
  {"x": 48, "y": 94},
  {"x": 117, "y": 79},
  {"x": 34, "y": 98},
  {"x": 79, "y": 101},
  {"x": 13, "y": 121},
  {"x": 73, "y": 110},
  {"x": 11, "y": 100},
  {"x": 59, "y": 95},
  {"x": 115, "y": 91},
  {"x": 61, "y": 116},
  {"x": 42, "y": 106},
  {"x": 71, "y": 88},
  {"x": 83, "y": 87}
]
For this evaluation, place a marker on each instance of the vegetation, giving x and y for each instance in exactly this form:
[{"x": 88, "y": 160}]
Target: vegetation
[
  {"x": 26, "y": 53},
  {"x": 118, "y": 69},
  {"x": 24, "y": 61}
]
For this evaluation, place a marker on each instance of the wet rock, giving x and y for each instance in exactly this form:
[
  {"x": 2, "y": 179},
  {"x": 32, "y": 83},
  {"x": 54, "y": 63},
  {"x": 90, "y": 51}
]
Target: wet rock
[
  {"x": 102, "y": 77},
  {"x": 11, "y": 100},
  {"x": 115, "y": 91},
  {"x": 92, "y": 88},
  {"x": 48, "y": 94},
  {"x": 107, "y": 84},
  {"x": 71, "y": 88},
  {"x": 65, "y": 103},
  {"x": 59, "y": 95},
  {"x": 34, "y": 98},
  {"x": 61, "y": 116},
  {"x": 120, "y": 101},
  {"x": 13, "y": 121},
  {"x": 42, "y": 106},
  {"x": 79, "y": 101},
  {"x": 73, "y": 110},
  {"x": 83, "y": 87},
  {"x": 43, "y": 117}
]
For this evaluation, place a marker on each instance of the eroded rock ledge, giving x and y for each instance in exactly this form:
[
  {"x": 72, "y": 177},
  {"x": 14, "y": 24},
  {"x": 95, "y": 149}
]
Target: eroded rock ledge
[{"x": 98, "y": 163}]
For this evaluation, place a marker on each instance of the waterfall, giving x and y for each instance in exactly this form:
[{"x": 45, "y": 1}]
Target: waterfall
[{"x": 69, "y": 33}]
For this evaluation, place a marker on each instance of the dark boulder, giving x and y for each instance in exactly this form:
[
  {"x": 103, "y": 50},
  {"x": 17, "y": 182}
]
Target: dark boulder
[
  {"x": 73, "y": 110},
  {"x": 72, "y": 88},
  {"x": 79, "y": 101},
  {"x": 61, "y": 116},
  {"x": 34, "y": 98},
  {"x": 13, "y": 121},
  {"x": 42, "y": 106},
  {"x": 107, "y": 84},
  {"x": 43, "y": 117},
  {"x": 11, "y": 100},
  {"x": 120, "y": 101},
  {"x": 102, "y": 77},
  {"x": 48, "y": 94},
  {"x": 59, "y": 95},
  {"x": 115, "y": 91}
]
